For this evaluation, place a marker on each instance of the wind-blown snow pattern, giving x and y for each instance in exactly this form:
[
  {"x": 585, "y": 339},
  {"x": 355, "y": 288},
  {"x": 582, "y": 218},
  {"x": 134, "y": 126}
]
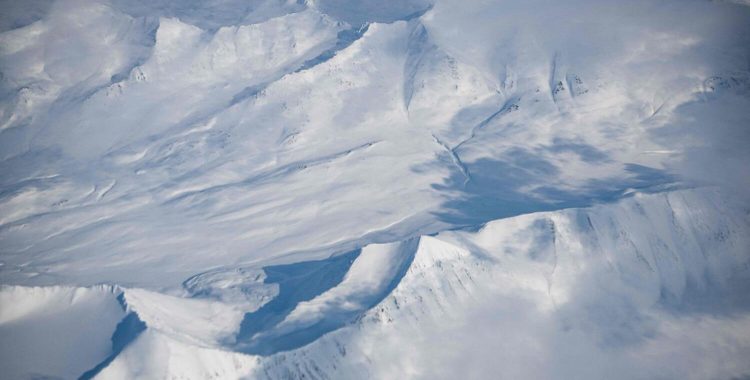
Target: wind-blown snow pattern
[{"x": 329, "y": 189}]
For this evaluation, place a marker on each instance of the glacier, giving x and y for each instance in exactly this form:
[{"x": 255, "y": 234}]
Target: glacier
[{"x": 374, "y": 189}]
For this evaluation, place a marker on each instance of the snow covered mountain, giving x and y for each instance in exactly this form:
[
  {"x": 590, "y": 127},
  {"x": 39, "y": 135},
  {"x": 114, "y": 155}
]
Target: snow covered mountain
[
  {"x": 366, "y": 189},
  {"x": 609, "y": 291}
]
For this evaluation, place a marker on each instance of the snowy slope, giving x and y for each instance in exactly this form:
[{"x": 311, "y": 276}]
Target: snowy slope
[
  {"x": 267, "y": 134},
  {"x": 56, "y": 331},
  {"x": 609, "y": 291},
  {"x": 515, "y": 300},
  {"x": 272, "y": 188}
]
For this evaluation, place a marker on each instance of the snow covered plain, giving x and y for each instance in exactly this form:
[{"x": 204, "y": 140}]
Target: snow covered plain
[{"x": 368, "y": 189}]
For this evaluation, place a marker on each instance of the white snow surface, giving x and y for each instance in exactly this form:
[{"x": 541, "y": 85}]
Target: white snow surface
[
  {"x": 625, "y": 290},
  {"x": 374, "y": 189}
]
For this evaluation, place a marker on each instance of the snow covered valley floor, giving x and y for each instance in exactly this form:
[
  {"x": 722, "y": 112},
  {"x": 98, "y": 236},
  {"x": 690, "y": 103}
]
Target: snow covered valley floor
[{"x": 354, "y": 189}]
